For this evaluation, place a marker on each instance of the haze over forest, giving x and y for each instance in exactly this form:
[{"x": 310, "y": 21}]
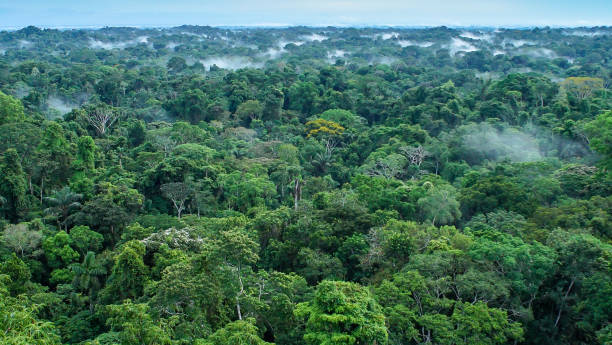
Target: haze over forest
[{"x": 322, "y": 173}]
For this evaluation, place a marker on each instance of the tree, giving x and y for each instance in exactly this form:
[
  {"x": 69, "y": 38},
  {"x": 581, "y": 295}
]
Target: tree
[
  {"x": 241, "y": 332},
  {"x": 19, "y": 274},
  {"x": 23, "y": 137},
  {"x": 600, "y": 137},
  {"x": 61, "y": 204},
  {"x": 54, "y": 156},
  {"x": 477, "y": 324},
  {"x": 11, "y": 109},
  {"x": 238, "y": 251},
  {"x": 87, "y": 277},
  {"x": 129, "y": 273},
  {"x": 323, "y": 128},
  {"x": 342, "y": 313},
  {"x": 12, "y": 184},
  {"x": 176, "y": 64},
  {"x": 84, "y": 161},
  {"x": 102, "y": 118},
  {"x": 440, "y": 205},
  {"x": 135, "y": 325},
  {"x": 178, "y": 193},
  {"x": 21, "y": 239},
  {"x": 58, "y": 250},
  {"x": 19, "y": 324},
  {"x": 582, "y": 87},
  {"x": 415, "y": 155},
  {"x": 85, "y": 239},
  {"x": 191, "y": 105},
  {"x": 249, "y": 111},
  {"x": 243, "y": 191}
]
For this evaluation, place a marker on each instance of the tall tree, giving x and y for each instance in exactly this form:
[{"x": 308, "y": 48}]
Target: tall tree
[
  {"x": 342, "y": 313},
  {"x": 12, "y": 184},
  {"x": 61, "y": 204}
]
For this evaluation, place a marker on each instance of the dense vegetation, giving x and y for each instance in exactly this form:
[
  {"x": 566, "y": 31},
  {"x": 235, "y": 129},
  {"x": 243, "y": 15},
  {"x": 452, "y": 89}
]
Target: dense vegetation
[{"x": 200, "y": 185}]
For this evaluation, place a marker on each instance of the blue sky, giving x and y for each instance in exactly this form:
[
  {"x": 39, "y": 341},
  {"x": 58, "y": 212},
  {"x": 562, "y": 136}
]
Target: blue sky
[{"x": 87, "y": 13}]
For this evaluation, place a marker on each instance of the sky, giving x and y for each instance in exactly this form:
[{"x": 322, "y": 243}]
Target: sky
[{"x": 157, "y": 13}]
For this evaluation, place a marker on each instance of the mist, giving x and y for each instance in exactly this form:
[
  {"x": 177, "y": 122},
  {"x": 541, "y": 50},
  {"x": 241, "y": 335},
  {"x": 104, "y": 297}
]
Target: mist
[
  {"x": 494, "y": 144},
  {"x": 587, "y": 33},
  {"x": 60, "y": 105},
  {"x": 97, "y": 44},
  {"x": 230, "y": 62},
  {"x": 517, "y": 43},
  {"x": 314, "y": 38},
  {"x": 458, "y": 45},
  {"x": 24, "y": 44},
  {"x": 538, "y": 52},
  {"x": 407, "y": 43},
  {"x": 479, "y": 36},
  {"x": 389, "y": 35}
]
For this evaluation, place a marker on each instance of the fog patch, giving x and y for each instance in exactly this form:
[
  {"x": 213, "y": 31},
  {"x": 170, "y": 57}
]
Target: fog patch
[
  {"x": 478, "y": 36},
  {"x": 583, "y": 33},
  {"x": 230, "y": 62},
  {"x": 488, "y": 75},
  {"x": 314, "y": 38},
  {"x": 23, "y": 44},
  {"x": 276, "y": 52},
  {"x": 388, "y": 35},
  {"x": 539, "y": 53},
  {"x": 97, "y": 44},
  {"x": 337, "y": 54},
  {"x": 383, "y": 60},
  {"x": 21, "y": 89},
  {"x": 172, "y": 45},
  {"x": 495, "y": 144},
  {"x": 407, "y": 43},
  {"x": 60, "y": 105},
  {"x": 458, "y": 45},
  {"x": 193, "y": 34},
  {"x": 517, "y": 43}
]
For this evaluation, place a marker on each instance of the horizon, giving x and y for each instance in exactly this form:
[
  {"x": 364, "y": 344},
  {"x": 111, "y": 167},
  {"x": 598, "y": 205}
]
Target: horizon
[
  {"x": 316, "y": 13},
  {"x": 289, "y": 26}
]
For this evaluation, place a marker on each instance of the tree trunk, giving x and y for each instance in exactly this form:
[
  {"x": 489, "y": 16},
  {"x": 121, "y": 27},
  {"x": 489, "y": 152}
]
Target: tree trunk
[
  {"x": 297, "y": 193},
  {"x": 563, "y": 302}
]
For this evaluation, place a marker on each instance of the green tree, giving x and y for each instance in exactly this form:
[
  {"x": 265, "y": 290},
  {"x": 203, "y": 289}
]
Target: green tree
[
  {"x": 135, "y": 325},
  {"x": 236, "y": 249},
  {"x": 87, "y": 277},
  {"x": 58, "y": 250},
  {"x": 54, "y": 156},
  {"x": 61, "y": 204},
  {"x": 12, "y": 184},
  {"x": 342, "y": 313},
  {"x": 19, "y": 324},
  {"x": 249, "y": 111},
  {"x": 600, "y": 136},
  {"x": 241, "y": 332},
  {"x": 440, "y": 205},
  {"x": 129, "y": 273},
  {"x": 85, "y": 239},
  {"x": 11, "y": 109}
]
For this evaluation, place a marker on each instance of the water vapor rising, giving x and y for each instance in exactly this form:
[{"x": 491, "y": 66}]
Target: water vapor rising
[
  {"x": 230, "y": 62},
  {"x": 494, "y": 144}
]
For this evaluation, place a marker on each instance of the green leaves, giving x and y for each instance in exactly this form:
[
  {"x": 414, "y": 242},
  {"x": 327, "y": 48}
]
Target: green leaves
[
  {"x": 19, "y": 324},
  {"x": 235, "y": 333},
  {"x": 342, "y": 313},
  {"x": 11, "y": 109}
]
